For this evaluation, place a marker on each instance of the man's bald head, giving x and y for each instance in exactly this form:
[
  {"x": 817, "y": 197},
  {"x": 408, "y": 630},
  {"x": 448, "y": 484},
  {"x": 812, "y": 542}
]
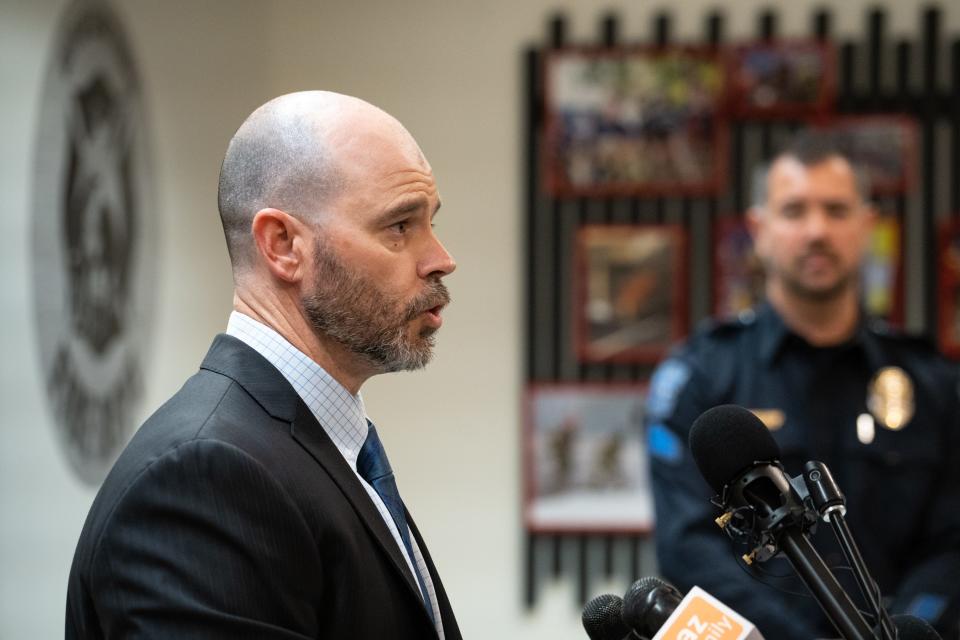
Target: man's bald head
[{"x": 288, "y": 155}]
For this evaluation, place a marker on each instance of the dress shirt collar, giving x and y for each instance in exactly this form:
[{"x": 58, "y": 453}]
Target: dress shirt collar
[{"x": 340, "y": 413}]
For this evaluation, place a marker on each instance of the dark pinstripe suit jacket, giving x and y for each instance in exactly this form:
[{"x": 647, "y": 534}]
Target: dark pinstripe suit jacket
[{"x": 231, "y": 514}]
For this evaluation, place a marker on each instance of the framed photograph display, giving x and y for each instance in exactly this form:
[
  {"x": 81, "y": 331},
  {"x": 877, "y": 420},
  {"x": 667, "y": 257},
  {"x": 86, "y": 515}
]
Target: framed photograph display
[
  {"x": 738, "y": 278},
  {"x": 886, "y": 145},
  {"x": 948, "y": 300},
  {"x": 631, "y": 289},
  {"x": 737, "y": 271},
  {"x": 782, "y": 79},
  {"x": 633, "y": 122},
  {"x": 882, "y": 272},
  {"x": 585, "y": 459}
]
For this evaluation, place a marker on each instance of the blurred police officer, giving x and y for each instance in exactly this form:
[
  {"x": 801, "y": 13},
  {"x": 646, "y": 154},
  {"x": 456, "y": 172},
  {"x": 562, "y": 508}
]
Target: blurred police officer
[{"x": 880, "y": 408}]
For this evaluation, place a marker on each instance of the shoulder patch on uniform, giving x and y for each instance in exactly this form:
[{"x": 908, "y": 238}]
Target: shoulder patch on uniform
[
  {"x": 663, "y": 444},
  {"x": 665, "y": 387}
]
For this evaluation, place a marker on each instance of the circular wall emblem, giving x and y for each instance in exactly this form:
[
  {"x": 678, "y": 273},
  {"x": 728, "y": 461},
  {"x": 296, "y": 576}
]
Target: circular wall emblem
[{"x": 93, "y": 238}]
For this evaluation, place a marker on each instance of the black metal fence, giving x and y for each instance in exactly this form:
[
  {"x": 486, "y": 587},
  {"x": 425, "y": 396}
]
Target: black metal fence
[{"x": 918, "y": 76}]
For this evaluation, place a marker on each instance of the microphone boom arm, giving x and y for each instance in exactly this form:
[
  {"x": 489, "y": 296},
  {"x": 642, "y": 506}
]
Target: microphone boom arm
[
  {"x": 831, "y": 504},
  {"x": 824, "y": 586}
]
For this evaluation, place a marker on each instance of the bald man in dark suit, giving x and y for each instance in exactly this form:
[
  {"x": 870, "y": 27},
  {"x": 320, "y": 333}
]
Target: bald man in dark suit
[{"x": 258, "y": 501}]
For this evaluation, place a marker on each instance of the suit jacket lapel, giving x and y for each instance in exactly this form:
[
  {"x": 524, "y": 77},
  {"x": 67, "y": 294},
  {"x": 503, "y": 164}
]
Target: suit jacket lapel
[
  {"x": 451, "y": 629},
  {"x": 235, "y": 359},
  {"x": 311, "y": 436}
]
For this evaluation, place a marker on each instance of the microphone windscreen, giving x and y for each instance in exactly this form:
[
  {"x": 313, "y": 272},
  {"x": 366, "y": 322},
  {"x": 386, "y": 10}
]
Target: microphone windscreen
[
  {"x": 601, "y": 618},
  {"x": 913, "y": 628},
  {"x": 727, "y": 440},
  {"x": 648, "y": 603}
]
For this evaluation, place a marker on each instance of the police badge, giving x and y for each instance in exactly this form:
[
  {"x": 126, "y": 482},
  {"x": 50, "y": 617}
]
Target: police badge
[{"x": 890, "y": 398}]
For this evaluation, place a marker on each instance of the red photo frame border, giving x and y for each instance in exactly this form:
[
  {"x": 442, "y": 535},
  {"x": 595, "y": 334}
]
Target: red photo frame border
[
  {"x": 719, "y": 228},
  {"x": 678, "y": 312},
  {"x": 528, "y": 457},
  {"x": 906, "y": 182},
  {"x": 552, "y": 175},
  {"x": 947, "y": 282},
  {"x": 826, "y": 96}
]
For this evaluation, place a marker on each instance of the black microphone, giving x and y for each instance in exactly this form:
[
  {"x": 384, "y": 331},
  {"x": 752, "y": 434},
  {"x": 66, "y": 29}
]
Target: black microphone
[
  {"x": 740, "y": 460},
  {"x": 912, "y": 628},
  {"x": 657, "y": 610},
  {"x": 602, "y": 618},
  {"x": 648, "y": 603}
]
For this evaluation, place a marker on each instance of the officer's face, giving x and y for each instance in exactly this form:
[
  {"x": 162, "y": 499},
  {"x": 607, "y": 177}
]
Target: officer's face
[{"x": 814, "y": 230}]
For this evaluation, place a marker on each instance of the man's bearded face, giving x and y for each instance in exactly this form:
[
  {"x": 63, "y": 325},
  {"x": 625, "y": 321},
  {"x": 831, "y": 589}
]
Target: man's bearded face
[{"x": 353, "y": 310}]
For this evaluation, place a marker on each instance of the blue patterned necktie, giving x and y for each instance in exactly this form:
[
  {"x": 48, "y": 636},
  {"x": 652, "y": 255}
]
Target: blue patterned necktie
[{"x": 373, "y": 466}]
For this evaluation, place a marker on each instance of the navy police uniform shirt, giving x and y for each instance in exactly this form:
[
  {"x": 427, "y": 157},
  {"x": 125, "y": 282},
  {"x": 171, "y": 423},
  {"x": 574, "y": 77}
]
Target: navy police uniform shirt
[{"x": 881, "y": 410}]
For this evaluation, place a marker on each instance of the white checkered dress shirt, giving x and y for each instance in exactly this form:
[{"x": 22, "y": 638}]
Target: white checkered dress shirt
[{"x": 340, "y": 413}]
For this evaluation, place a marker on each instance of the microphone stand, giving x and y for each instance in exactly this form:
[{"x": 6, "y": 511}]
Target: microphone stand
[
  {"x": 824, "y": 586},
  {"x": 831, "y": 504},
  {"x": 778, "y": 520}
]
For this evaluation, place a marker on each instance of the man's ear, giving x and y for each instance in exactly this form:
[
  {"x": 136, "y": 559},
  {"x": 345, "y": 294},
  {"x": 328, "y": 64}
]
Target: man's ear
[{"x": 281, "y": 240}]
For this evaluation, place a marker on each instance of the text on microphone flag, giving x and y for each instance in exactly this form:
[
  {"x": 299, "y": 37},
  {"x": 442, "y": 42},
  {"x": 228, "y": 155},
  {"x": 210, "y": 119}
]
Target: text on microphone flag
[{"x": 702, "y": 617}]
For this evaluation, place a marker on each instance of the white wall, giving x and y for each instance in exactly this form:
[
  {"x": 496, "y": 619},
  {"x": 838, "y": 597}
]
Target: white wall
[
  {"x": 41, "y": 509},
  {"x": 201, "y": 79},
  {"x": 451, "y": 71}
]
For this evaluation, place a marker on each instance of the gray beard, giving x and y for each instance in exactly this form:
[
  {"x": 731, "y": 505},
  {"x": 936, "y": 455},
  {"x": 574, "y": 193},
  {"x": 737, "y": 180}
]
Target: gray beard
[{"x": 351, "y": 310}]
